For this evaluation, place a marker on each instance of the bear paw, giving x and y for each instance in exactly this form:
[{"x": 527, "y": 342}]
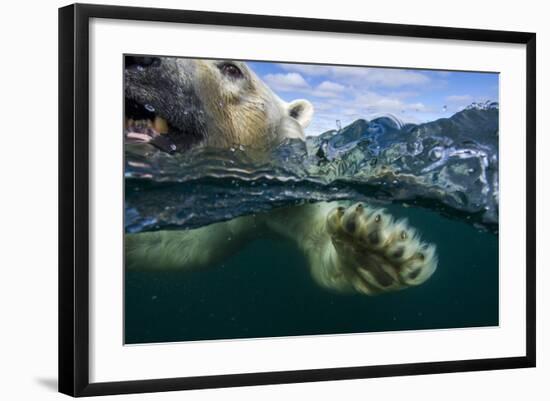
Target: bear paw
[{"x": 376, "y": 253}]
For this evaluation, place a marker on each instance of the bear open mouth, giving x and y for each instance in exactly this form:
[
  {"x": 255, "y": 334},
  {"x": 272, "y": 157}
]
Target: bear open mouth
[{"x": 143, "y": 125}]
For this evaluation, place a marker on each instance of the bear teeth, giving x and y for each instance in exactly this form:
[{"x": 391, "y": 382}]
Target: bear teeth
[{"x": 159, "y": 124}]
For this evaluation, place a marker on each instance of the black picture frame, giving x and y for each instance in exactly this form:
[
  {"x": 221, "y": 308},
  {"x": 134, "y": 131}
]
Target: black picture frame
[{"x": 74, "y": 198}]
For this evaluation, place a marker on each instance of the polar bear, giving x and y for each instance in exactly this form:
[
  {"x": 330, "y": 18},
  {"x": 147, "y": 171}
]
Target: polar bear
[{"x": 179, "y": 104}]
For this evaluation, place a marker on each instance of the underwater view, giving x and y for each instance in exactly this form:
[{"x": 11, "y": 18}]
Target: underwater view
[{"x": 269, "y": 199}]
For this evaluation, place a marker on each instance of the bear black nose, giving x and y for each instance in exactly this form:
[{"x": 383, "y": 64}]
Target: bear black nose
[{"x": 141, "y": 62}]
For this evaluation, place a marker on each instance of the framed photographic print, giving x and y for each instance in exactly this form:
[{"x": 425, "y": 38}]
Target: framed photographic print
[{"x": 250, "y": 199}]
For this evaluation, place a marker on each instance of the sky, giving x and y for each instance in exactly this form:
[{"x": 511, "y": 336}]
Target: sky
[{"x": 349, "y": 93}]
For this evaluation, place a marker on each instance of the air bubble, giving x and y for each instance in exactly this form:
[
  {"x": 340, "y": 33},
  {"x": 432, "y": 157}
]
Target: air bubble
[
  {"x": 436, "y": 154},
  {"x": 150, "y": 108}
]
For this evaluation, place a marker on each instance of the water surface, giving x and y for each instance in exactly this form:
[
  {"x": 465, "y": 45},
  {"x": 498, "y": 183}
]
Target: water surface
[{"x": 442, "y": 176}]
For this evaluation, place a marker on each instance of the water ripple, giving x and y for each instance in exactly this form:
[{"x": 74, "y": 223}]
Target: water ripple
[{"x": 449, "y": 165}]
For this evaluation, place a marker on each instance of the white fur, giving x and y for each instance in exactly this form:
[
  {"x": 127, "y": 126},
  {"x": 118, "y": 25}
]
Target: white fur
[{"x": 339, "y": 259}]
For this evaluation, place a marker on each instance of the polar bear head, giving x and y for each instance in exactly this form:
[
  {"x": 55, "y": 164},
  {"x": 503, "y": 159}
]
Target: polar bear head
[{"x": 183, "y": 103}]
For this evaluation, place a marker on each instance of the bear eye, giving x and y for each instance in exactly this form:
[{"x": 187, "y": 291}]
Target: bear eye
[{"x": 231, "y": 70}]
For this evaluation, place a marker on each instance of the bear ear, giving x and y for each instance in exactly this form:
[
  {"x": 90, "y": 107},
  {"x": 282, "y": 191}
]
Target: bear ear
[{"x": 302, "y": 111}]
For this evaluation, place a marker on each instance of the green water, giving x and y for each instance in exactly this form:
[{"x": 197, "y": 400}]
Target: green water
[{"x": 265, "y": 291}]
